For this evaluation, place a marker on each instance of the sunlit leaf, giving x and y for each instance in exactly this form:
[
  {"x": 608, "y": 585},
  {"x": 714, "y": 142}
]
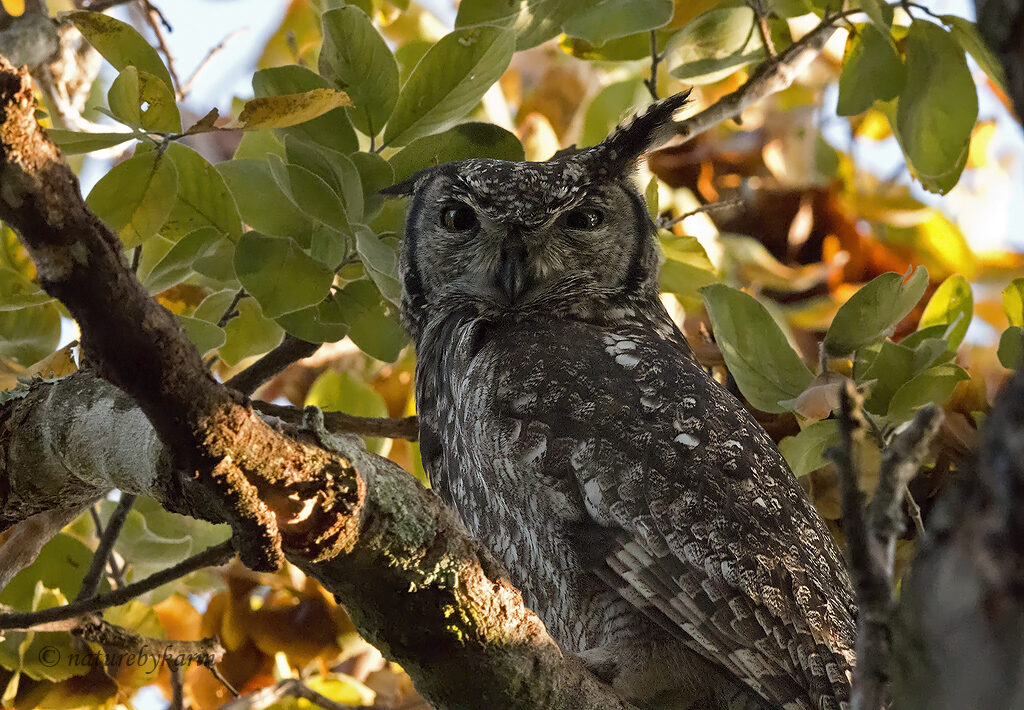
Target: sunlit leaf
[
  {"x": 609, "y": 19},
  {"x": 279, "y": 275},
  {"x": 333, "y": 129},
  {"x": 16, "y": 291},
  {"x": 952, "y": 304},
  {"x": 937, "y": 109},
  {"x": 73, "y": 142},
  {"x": 533, "y": 21},
  {"x": 141, "y": 100},
  {"x": 136, "y": 197},
  {"x": 805, "y": 452},
  {"x": 450, "y": 79},
  {"x": 607, "y": 109},
  {"x": 120, "y": 44},
  {"x": 286, "y": 110},
  {"x": 874, "y": 311},
  {"x": 249, "y": 333},
  {"x": 871, "y": 70},
  {"x": 203, "y": 198},
  {"x": 204, "y": 335},
  {"x": 467, "y": 140},
  {"x": 342, "y": 392},
  {"x": 29, "y": 334},
  {"x": 765, "y": 367},
  {"x": 966, "y": 33},
  {"x": 715, "y": 45},
  {"x": 177, "y": 264},
  {"x": 1013, "y": 302},
  {"x": 686, "y": 269},
  {"x": 357, "y": 59}
]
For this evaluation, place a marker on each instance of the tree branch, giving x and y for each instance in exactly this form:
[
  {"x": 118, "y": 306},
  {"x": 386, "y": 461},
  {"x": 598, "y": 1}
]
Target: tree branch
[
  {"x": 290, "y": 350},
  {"x": 91, "y": 581},
  {"x": 365, "y": 528},
  {"x": 406, "y": 428},
  {"x": 871, "y": 532}
]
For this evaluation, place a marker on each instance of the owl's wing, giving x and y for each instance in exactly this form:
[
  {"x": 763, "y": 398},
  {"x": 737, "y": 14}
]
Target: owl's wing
[{"x": 716, "y": 540}]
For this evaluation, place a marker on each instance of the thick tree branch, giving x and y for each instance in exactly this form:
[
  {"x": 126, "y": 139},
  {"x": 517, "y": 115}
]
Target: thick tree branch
[{"x": 365, "y": 528}]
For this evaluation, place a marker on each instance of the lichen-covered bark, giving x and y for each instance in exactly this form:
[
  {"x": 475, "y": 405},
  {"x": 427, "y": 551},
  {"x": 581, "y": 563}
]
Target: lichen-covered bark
[{"x": 416, "y": 584}]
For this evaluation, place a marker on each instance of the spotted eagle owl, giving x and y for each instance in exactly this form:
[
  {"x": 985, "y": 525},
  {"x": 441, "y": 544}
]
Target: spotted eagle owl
[{"x": 645, "y": 515}]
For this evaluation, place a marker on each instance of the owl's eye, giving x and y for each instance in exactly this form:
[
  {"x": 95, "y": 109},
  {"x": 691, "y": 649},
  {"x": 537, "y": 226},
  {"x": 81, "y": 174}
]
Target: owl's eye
[
  {"x": 458, "y": 217},
  {"x": 585, "y": 218}
]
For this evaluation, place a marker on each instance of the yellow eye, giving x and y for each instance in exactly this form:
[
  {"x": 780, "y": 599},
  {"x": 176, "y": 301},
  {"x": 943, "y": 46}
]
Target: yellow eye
[
  {"x": 458, "y": 217},
  {"x": 584, "y": 218}
]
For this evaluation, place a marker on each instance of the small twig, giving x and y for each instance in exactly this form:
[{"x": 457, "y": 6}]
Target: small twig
[
  {"x": 871, "y": 532},
  {"x": 761, "y": 18},
  {"x": 709, "y": 207},
  {"x": 177, "y": 686},
  {"x": 158, "y": 23},
  {"x": 290, "y": 350},
  {"x": 100, "y": 558},
  {"x": 215, "y": 671},
  {"x": 215, "y": 555},
  {"x": 338, "y": 422},
  {"x": 915, "y": 512},
  {"x": 652, "y": 82},
  {"x": 230, "y": 312},
  {"x": 287, "y": 688},
  {"x": 136, "y": 258},
  {"x": 214, "y": 51}
]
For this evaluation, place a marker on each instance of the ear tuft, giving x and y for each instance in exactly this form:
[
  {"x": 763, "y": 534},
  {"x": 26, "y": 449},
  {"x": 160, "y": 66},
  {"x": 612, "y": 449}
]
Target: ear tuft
[
  {"x": 648, "y": 130},
  {"x": 406, "y": 188}
]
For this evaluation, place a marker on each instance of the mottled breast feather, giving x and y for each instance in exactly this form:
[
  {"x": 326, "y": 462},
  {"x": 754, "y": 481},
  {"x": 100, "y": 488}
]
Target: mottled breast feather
[{"x": 597, "y": 448}]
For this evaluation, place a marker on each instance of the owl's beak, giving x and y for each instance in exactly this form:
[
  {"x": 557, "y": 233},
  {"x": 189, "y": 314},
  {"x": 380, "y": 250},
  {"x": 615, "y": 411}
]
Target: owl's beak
[{"x": 511, "y": 275}]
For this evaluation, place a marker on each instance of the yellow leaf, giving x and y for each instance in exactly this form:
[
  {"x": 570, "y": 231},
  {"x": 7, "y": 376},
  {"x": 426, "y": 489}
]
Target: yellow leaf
[
  {"x": 14, "y": 7},
  {"x": 58, "y": 364},
  {"x": 290, "y": 109},
  {"x": 981, "y": 139},
  {"x": 872, "y": 124}
]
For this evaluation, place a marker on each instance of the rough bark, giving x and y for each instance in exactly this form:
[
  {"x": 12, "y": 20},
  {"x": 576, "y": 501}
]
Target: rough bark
[{"x": 411, "y": 578}]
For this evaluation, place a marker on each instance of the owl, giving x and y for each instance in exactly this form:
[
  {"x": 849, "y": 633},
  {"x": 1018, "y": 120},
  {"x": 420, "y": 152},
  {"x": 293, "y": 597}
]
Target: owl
[{"x": 646, "y": 517}]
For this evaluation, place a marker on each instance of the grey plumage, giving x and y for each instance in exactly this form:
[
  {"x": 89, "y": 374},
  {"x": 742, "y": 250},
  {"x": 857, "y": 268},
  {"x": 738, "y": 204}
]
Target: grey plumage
[{"x": 647, "y": 518}]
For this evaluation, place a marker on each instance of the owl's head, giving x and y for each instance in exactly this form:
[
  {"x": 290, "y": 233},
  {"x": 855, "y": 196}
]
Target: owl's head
[{"x": 504, "y": 237}]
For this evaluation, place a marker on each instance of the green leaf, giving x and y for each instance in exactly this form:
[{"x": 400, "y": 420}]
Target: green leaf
[
  {"x": 687, "y": 268},
  {"x": 330, "y": 246},
  {"x": 1013, "y": 302},
  {"x": 934, "y": 385},
  {"x": 73, "y": 142},
  {"x": 714, "y": 45},
  {"x": 204, "y": 335},
  {"x": 357, "y": 59},
  {"x": 203, "y": 198},
  {"x": 890, "y": 369},
  {"x": 177, "y": 264},
  {"x": 61, "y": 565},
  {"x": 467, "y": 140},
  {"x": 937, "y": 109},
  {"x": 249, "y": 333},
  {"x": 255, "y": 145},
  {"x": 29, "y": 334},
  {"x": 879, "y": 13},
  {"x": 380, "y": 261},
  {"x": 218, "y": 263},
  {"x": 262, "y": 204},
  {"x": 370, "y": 327},
  {"x": 322, "y": 323},
  {"x": 333, "y": 129},
  {"x": 120, "y": 44},
  {"x": 309, "y": 193},
  {"x": 608, "y": 108},
  {"x": 966, "y": 34},
  {"x": 1011, "y": 347},
  {"x": 756, "y": 352},
  {"x": 341, "y": 392},
  {"x": 805, "y": 452},
  {"x": 533, "y": 21},
  {"x": 285, "y": 110},
  {"x": 874, "y": 311},
  {"x": 16, "y": 291},
  {"x": 334, "y": 168},
  {"x": 872, "y": 69},
  {"x": 610, "y": 19},
  {"x": 375, "y": 174},
  {"x": 449, "y": 81},
  {"x": 952, "y": 304},
  {"x": 141, "y": 100},
  {"x": 279, "y": 275},
  {"x": 136, "y": 197}
]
